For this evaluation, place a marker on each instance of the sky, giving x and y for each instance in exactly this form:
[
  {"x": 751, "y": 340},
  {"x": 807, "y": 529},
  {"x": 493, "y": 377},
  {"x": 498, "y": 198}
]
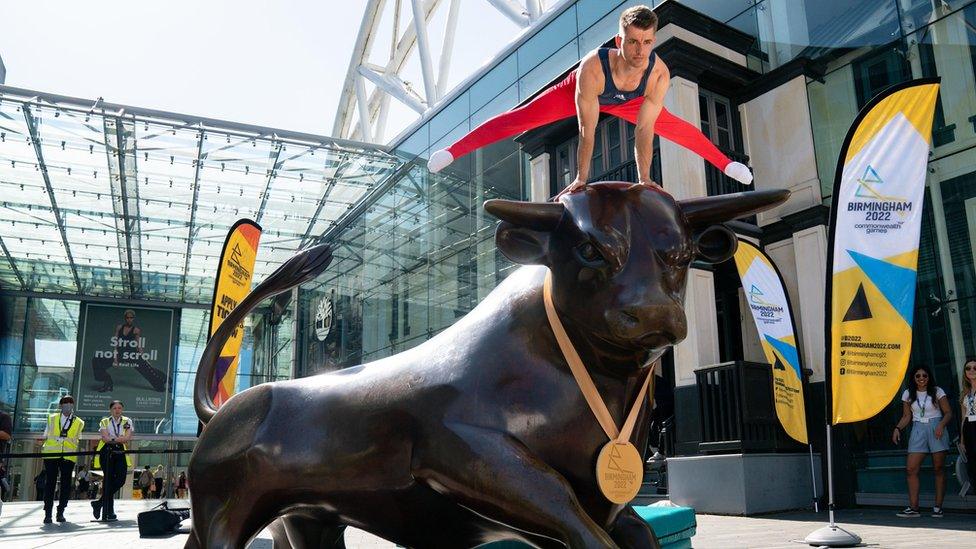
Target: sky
[{"x": 280, "y": 63}]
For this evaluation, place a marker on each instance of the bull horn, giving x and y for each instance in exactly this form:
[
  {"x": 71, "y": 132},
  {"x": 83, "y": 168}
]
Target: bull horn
[
  {"x": 538, "y": 216},
  {"x": 726, "y": 207}
]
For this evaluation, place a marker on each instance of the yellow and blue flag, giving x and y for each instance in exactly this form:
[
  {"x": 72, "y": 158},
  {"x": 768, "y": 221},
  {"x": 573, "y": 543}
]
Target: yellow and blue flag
[
  {"x": 770, "y": 308},
  {"x": 873, "y": 255},
  {"x": 234, "y": 275}
]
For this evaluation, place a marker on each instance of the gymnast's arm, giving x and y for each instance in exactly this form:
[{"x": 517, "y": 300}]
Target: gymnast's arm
[
  {"x": 588, "y": 86},
  {"x": 657, "y": 87}
]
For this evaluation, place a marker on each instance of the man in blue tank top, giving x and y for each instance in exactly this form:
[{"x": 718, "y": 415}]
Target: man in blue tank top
[
  {"x": 615, "y": 77},
  {"x": 628, "y": 82}
]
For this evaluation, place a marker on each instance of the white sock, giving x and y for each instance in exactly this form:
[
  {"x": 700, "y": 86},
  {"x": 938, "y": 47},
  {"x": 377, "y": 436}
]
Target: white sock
[
  {"x": 439, "y": 160},
  {"x": 738, "y": 171}
]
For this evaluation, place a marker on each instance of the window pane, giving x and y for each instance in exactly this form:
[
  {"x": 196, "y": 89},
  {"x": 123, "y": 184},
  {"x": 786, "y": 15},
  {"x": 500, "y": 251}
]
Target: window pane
[
  {"x": 703, "y": 109},
  {"x": 721, "y": 115},
  {"x": 498, "y": 79},
  {"x": 13, "y": 312},
  {"x": 192, "y": 341},
  {"x": 819, "y": 30},
  {"x": 550, "y": 69},
  {"x": 545, "y": 42},
  {"x": 629, "y": 153},
  {"x": 947, "y": 48},
  {"x": 613, "y": 142},
  {"x": 52, "y": 333},
  {"x": 449, "y": 118},
  {"x": 723, "y": 11},
  {"x": 597, "y": 165},
  {"x": 43, "y": 386}
]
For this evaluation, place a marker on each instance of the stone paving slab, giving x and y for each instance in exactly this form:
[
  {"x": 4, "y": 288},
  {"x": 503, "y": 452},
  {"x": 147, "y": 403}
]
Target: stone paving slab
[
  {"x": 877, "y": 528},
  {"x": 21, "y": 527}
]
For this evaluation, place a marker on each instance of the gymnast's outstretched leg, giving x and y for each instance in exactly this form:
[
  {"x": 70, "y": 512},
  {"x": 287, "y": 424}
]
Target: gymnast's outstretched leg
[
  {"x": 679, "y": 131},
  {"x": 553, "y": 104}
]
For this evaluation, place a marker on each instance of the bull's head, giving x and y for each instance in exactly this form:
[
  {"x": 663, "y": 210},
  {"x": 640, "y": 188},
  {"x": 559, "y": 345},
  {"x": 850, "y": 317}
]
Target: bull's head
[{"x": 619, "y": 254}]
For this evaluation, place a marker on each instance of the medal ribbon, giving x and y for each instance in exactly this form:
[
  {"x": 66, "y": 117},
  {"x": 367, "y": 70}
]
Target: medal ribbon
[{"x": 583, "y": 379}]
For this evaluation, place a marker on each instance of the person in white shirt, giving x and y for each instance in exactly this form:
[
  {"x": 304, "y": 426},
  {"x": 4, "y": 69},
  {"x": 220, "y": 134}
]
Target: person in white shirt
[
  {"x": 967, "y": 431},
  {"x": 926, "y": 407}
]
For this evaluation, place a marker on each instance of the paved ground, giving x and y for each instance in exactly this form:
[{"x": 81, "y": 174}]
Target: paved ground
[{"x": 20, "y": 527}]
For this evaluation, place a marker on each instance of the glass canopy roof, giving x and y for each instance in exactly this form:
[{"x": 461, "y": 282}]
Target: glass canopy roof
[{"x": 98, "y": 199}]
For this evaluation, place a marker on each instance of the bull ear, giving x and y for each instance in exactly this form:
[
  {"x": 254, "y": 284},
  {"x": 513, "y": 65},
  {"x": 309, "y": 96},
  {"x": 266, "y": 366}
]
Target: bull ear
[
  {"x": 715, "y": 244},
  {"x": 523, "y": 235},
  {"x": 523, "y": 246},
  {"x": 702, "y": 212}
]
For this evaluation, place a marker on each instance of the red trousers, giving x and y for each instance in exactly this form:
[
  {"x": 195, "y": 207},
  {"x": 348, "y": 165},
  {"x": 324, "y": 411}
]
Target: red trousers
[{"x": 559, "y": 102}]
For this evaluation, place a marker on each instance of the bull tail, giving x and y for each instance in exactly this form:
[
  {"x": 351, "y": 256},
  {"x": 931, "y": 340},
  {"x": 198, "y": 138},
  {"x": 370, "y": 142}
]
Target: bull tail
[{"x": 300, "y": 268}]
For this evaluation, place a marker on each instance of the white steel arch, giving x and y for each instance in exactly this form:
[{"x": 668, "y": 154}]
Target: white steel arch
[{"x": 363, "y": 116}]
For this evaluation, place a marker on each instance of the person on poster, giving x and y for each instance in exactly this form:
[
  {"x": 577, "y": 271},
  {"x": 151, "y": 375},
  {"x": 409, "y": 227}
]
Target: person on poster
[
  {"x": 112, "y": 457},
  {"x": 629, "y": 82},
  {"x": 61, "y": 436},
  {"x": 967, "y": 430},
  {"x": 128, "y": 339},
  {"x": 926, "y": 407}
]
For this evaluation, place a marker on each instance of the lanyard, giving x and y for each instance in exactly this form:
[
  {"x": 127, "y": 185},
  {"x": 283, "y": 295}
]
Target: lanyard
[
  {"x": 585, "y": 382},
  {"x": 922, "y": 405},
  {"x": 66, "y": 426},
  {"x": 117, "y": 427}
]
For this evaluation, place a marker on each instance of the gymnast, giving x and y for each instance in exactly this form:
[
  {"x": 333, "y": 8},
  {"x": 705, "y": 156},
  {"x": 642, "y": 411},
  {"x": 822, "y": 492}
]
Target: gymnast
[{"x": 601, "y": 84}]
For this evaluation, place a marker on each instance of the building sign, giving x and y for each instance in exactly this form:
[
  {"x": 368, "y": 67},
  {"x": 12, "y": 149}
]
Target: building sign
[
  {"x": 125, "y": 354},
  {"x": 323, "y": 318}
]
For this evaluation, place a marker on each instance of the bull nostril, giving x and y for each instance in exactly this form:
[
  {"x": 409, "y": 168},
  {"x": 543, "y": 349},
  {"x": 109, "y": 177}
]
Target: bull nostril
[{"x": 631, "y": 317}]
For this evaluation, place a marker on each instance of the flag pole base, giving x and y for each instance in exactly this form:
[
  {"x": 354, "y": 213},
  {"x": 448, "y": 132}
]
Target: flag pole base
[{"x": 833, "y": 536}]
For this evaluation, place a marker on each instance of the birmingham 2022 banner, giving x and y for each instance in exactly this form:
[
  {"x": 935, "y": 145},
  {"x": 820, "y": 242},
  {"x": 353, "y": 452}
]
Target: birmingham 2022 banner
[
  {"x": 873, "y": 257},
  {"x": 771, "y": 312},
  {"x": 125, "y": 354}
]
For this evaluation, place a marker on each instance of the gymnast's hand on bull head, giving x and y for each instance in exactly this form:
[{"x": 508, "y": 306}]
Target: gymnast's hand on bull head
[{"x": 482, "y": 432}]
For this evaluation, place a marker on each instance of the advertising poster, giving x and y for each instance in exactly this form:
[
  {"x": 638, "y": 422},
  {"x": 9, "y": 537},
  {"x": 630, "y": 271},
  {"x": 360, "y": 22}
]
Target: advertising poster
[{"x": 125, "y": 353}]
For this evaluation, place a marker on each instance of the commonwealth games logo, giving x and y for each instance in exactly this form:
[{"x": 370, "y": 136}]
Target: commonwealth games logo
[
  {"x": 869, "y": 187},
  {"x": 755, "y": 297}
]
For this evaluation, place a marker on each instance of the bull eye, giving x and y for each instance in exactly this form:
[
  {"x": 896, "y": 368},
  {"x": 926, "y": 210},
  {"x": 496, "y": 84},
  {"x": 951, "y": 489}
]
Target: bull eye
[{"x": 589, "y": 255}]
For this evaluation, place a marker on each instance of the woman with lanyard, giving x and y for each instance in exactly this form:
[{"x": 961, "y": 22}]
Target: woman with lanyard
[
  {"x": 967, "y": 431},
  {"x": 927, "y": 409},
  {"x": 116, "y": 431}
]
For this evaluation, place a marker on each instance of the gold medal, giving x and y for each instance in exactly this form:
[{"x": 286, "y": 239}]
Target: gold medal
[{"x": 619, "y": 471}]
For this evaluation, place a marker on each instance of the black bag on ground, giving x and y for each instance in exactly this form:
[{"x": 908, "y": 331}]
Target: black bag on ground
[{"x": 161, "y": 520}]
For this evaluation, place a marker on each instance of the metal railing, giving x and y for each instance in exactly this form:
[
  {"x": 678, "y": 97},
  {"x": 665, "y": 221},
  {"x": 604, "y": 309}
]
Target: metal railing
[
  {"x": 736, "y": 408},
  {"x": 716, "y": 182}
]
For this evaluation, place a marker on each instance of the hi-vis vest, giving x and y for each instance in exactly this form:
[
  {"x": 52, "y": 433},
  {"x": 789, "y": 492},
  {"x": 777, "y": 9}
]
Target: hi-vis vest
[
  {"x": 106, "y": 424},
  {"x": 54, "y": 444}
]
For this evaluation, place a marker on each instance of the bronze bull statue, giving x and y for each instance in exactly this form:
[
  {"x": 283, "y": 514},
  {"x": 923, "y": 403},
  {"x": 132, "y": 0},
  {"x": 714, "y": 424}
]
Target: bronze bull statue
[{"x": 480, "y": 433}]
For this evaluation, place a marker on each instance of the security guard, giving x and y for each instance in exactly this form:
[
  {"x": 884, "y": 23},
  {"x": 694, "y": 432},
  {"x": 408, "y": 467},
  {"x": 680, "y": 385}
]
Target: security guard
[
  {"x": 112, "y": 457},
  {"x": 61, "y": 435}
]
